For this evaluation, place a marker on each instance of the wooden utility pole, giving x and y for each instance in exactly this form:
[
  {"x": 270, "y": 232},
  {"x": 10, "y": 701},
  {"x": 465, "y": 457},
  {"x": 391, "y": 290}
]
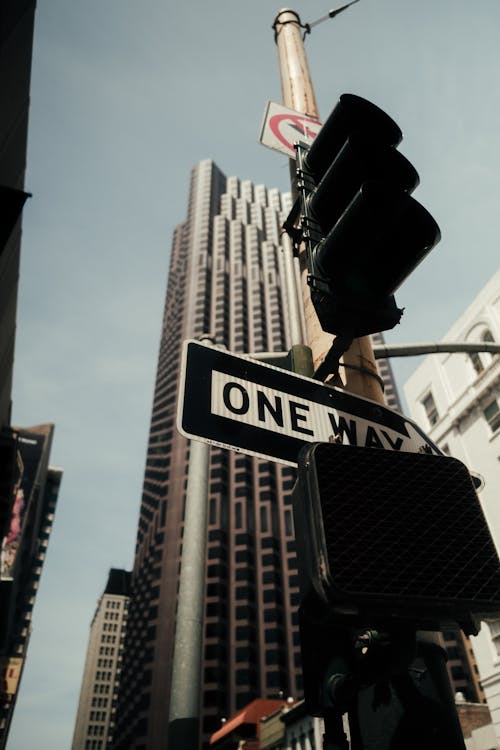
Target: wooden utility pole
[{"x": 360, "y": 374}]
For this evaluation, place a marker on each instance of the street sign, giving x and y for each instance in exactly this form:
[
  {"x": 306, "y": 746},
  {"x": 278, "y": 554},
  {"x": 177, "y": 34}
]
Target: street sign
[
  {"x": 282, "y": 127},
  {"x": 235, "y": 402}
]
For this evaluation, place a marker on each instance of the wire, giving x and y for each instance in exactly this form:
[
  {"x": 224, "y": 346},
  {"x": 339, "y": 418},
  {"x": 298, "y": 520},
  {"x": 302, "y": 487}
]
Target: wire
[
  {"x": 331, "y": 14},
  {"x": 308, "y": 26}
]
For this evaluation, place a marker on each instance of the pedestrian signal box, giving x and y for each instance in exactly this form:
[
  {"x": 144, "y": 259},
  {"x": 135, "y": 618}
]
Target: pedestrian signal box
[{"x": 393, "y": 536}]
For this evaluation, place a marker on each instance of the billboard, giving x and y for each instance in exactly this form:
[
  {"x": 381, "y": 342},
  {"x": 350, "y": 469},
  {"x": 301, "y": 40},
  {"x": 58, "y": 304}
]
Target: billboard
[
  {"x": 10, "y": 673},
  {"x": 30, "y": 450}
]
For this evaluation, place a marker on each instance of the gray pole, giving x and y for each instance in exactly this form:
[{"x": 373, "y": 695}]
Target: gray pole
[
  {"x": 382, "y": 351},
  {"x": 184, "y": 719}
]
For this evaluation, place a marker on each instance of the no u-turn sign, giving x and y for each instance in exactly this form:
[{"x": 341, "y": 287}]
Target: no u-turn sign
[{"x": 282, "y": 127}]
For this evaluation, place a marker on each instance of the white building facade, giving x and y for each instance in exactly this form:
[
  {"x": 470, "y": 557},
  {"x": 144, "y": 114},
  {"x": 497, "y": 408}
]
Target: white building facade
[
  {"x": 456, "y": 399},
  {"x": 97, "y": 705}
]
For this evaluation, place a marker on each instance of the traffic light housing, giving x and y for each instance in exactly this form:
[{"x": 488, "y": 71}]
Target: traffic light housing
[
  {"x": 392, "y": 537},
  {"x": 364, "y": 232}
]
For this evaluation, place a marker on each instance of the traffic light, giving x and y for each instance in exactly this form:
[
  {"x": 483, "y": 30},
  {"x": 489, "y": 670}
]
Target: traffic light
[
  {"x": 363, "y": 230},
  {"x": 392, "y": 537}
]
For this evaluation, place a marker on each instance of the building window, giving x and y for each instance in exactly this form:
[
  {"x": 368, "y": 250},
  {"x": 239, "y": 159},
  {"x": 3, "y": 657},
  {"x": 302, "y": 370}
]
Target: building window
[
  {"x": 494, "y": 627},
  {"x": 477, "y": 362},
  {"x": 264, "y": 525},
  {"x": 492, "y": 415},
  {"x": 430, "y": 409}
]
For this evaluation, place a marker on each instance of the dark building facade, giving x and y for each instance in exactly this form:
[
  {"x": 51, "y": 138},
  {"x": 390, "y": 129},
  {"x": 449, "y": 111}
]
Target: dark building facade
[
  {"x": 28, "y": 485},
  {"x": 224, "y": 279},
  {"x": 22, "y": 556},
  {"x": 16, "y": 42}
]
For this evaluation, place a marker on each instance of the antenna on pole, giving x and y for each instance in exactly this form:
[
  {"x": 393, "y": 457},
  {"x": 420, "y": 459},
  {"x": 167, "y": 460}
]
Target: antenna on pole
[{"x": 331, "y": 14}]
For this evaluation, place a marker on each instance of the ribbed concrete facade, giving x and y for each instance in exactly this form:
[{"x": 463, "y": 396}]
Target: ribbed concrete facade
[{"x": 224, "y": 278}]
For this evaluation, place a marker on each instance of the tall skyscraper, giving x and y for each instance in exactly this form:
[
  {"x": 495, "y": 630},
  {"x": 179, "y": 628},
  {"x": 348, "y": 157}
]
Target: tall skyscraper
[
  {"x": 97, "y": 705},
  {"x": 224, "y": 279}
]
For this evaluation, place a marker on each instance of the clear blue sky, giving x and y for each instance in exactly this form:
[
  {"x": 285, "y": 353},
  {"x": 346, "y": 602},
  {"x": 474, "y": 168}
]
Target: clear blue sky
[{"x": 126, "y": 97}]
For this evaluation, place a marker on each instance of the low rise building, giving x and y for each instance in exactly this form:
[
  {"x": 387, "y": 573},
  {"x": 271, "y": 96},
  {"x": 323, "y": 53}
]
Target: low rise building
[{"x": 456, "y": 399}]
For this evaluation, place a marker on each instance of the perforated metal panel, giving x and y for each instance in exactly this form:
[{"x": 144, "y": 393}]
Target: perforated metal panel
[{"x": 396, "y": 528}]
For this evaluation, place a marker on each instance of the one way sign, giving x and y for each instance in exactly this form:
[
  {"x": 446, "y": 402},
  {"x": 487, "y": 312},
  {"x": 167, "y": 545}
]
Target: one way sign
[{"x": 235, "y": 402}]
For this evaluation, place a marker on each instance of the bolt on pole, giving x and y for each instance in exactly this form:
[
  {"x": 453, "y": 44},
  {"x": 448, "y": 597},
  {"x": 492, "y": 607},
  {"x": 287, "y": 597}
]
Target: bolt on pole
[{"x": 298, "y": 94}]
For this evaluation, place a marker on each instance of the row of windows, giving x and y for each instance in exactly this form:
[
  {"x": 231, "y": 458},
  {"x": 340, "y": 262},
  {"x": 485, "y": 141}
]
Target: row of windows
[
  {"x": 108, "y": 638},
  {"x": 100, "y": 702},
  {"x": 478, "y": 360},
  {"x": 112, "y": 615},
  {"x": 95, "y": 730},
  {"x": 101, "y": 689},
  {"x": 97, "y": 716},
  {"x": 102, "y": 675},
  {"x": 105, "y": 662},
  {"x": 491, "y": 412},
  {"x": 110, "y": 627}
]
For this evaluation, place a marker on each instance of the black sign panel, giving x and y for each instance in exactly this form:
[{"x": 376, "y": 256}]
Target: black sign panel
[{"x": 235, "y": 402}]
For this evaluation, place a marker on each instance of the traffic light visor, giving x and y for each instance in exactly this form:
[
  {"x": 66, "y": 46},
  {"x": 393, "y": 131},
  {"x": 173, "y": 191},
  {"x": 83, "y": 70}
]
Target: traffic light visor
[
  {"x": 360, "y": 159},
  {"x": 351, "y": 113},
  {"x": 378, "y": 241}
]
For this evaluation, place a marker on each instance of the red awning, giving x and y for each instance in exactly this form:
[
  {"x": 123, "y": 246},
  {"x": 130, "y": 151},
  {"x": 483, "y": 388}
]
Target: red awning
[{"x": 251, "y": 714}]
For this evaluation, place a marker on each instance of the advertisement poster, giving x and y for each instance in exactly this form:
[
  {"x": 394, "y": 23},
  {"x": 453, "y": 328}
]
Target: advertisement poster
[
  {"x": 10, "y": 673},
  {"x": 30, "y": 451}
]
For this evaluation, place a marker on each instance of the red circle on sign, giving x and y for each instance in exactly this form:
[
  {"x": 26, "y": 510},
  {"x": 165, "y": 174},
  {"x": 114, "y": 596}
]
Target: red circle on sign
[{"x": 299, "y": 121}]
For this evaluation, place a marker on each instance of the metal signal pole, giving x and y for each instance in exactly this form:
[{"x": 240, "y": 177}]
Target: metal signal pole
[{"x": 360, "y": 370}]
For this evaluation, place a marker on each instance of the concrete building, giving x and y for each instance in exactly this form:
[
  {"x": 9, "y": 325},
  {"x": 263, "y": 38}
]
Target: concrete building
[
  {"x": 97, "y": 705},
  {"x": 302, "y": 731},
  {"x": 384, "y": 366},
  {"x": 224, "y": 278},
  {"x": 456, "y": 399}
]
